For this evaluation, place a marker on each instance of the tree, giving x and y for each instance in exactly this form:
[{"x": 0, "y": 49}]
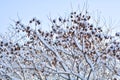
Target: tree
[{"x": 73, "y": 50}]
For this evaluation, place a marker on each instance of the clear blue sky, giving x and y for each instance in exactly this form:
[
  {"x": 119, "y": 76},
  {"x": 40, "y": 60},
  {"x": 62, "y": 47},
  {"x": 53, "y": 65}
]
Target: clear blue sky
[{"x": 27, "y": 9}]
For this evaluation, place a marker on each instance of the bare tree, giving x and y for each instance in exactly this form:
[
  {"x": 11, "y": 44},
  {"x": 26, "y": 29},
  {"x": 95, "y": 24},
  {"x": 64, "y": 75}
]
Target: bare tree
[{"x": 73, "y": 50}]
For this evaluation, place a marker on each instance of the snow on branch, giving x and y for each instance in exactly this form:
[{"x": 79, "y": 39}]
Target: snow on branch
[{"x": 74, "y": 49}]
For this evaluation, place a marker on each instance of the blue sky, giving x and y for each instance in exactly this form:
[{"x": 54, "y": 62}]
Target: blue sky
[{"x": 27, "y": 9}]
